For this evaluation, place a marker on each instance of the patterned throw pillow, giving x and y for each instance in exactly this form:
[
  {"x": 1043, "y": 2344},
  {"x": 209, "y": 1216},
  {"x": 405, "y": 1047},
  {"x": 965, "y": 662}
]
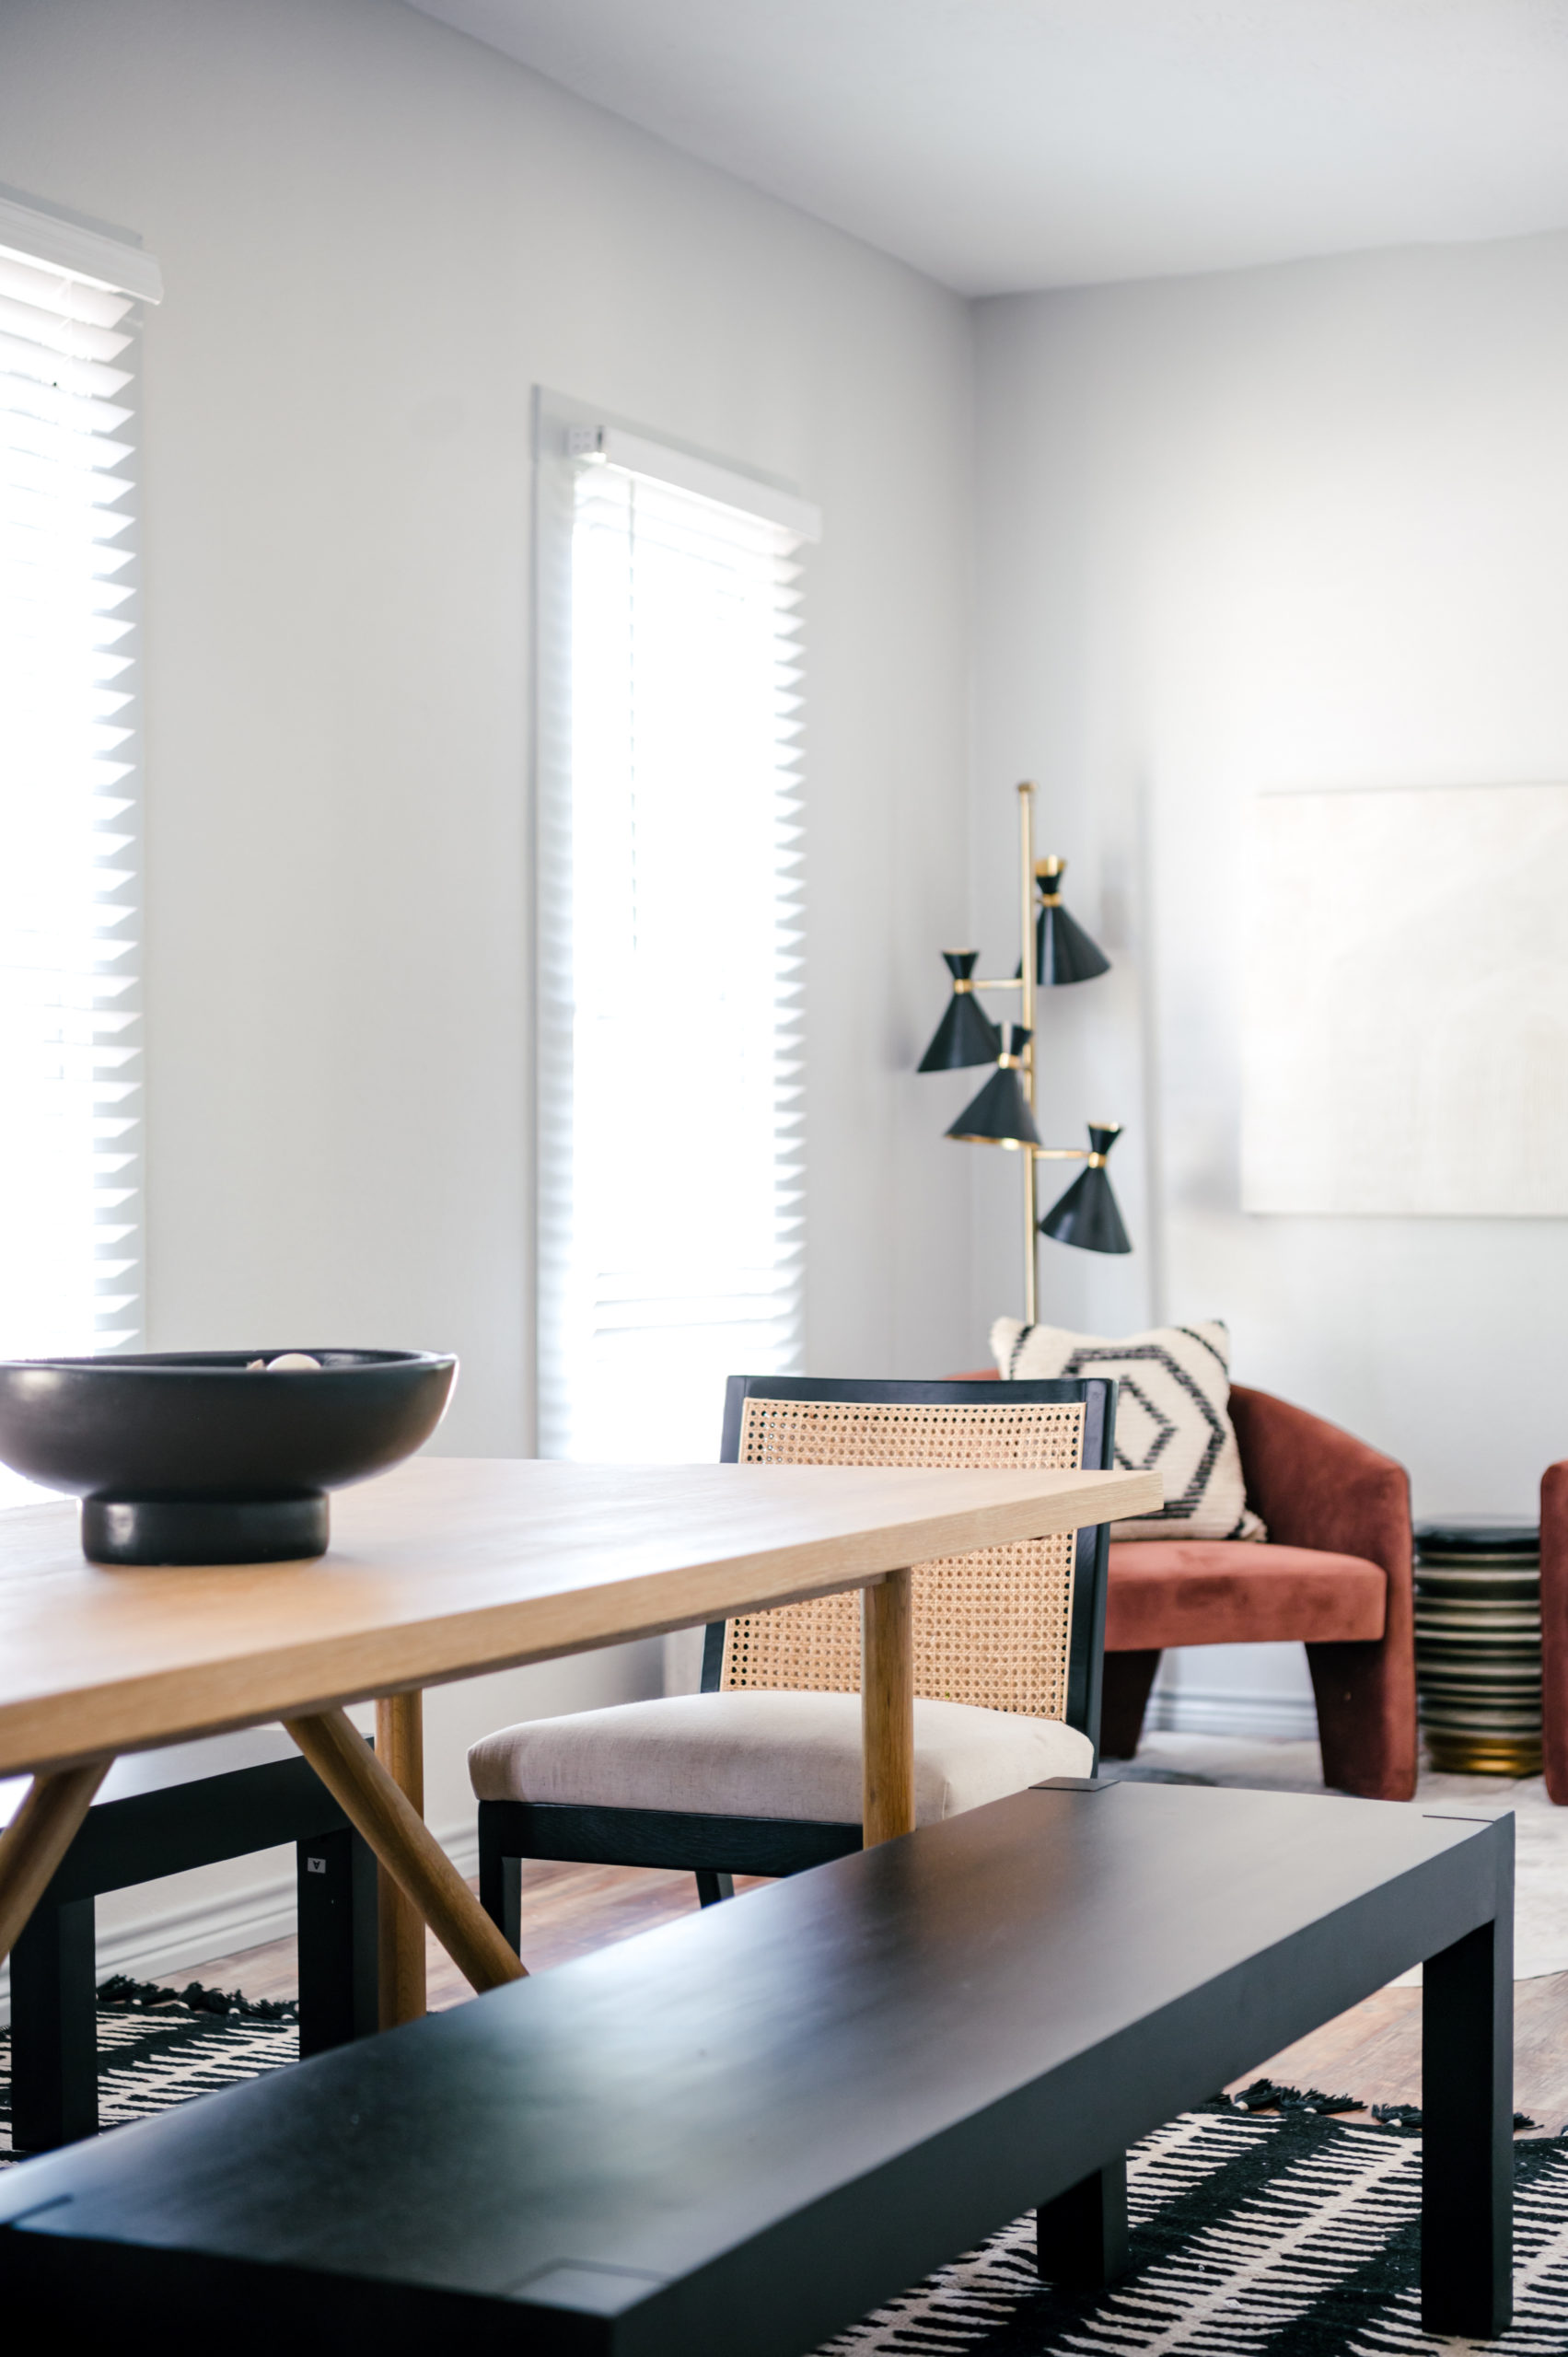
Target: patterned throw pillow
[{"x": 1172, "y": 1416}]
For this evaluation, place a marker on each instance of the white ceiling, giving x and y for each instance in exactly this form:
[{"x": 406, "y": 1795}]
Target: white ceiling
[{"x": 1000, "y": 145}]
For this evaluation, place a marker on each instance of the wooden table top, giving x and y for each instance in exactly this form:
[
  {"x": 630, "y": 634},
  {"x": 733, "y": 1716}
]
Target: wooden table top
[{"x": 453, "y": 1565}]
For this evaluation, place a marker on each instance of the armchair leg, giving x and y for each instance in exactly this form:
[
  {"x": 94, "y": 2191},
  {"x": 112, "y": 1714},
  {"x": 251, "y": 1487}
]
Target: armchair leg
[
  {"x": 1124, "y": 1697},
  {"x": 1365, "y": 1698}
]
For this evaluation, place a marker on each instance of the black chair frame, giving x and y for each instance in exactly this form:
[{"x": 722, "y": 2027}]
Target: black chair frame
[
  {"x": 715, "y": 1849},
  {"x": 168, "y": 1830}
]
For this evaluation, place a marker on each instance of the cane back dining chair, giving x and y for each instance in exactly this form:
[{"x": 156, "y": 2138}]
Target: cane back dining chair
[{"x": 760, "y": 1772}]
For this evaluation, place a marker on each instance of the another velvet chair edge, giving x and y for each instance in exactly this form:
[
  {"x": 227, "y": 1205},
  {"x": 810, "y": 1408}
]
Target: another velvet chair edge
[{"x": 1555, "y": 1629}]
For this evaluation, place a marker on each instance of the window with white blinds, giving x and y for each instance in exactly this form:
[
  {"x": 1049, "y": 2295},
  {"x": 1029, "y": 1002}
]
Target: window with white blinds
[
  {"x": 670, "y": 884},
  {"x": 69, "y": 1034}
]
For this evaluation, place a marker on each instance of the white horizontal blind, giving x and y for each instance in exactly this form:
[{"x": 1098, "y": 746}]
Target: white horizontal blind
[
  {"x": 69, "y": 1044},
  {"x": 671, "y": 1051}
]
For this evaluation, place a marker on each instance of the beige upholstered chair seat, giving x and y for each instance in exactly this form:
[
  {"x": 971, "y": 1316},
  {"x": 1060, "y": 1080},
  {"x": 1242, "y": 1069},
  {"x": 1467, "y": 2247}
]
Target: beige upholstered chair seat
[{"x": 758, "y": 1752}]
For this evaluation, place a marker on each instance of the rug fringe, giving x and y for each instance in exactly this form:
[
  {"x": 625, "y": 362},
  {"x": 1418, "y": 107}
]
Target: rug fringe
[
  {"x": 1268, "y": 2095},
  {"x": 147, "y": 1997}
]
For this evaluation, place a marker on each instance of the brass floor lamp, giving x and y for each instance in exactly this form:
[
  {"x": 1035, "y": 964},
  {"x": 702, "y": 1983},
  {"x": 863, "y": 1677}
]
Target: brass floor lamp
[{"x": 1054, "y": 950}]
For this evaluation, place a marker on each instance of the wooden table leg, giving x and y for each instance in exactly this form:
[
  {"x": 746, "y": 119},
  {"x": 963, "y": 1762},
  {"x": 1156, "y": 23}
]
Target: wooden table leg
[
  {"x": 406, "y": 1847},
  {"x": 887, "y": 1706},
  {"x": 38, "y": 1838},
  {"x": 400, "y": 1747}
]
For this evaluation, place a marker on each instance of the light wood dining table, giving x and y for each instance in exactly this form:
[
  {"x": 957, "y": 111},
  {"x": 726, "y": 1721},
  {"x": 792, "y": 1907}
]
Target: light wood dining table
[{"x": 445, "y": 1569}]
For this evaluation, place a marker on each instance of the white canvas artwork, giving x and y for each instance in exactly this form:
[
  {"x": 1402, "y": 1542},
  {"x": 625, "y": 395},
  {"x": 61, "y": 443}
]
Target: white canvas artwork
[{"x": 1405, "y": 1034}]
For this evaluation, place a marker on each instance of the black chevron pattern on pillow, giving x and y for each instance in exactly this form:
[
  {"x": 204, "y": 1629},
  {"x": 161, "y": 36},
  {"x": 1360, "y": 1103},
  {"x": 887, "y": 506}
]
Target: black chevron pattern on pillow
[{"x": 1172, "y": 1416}]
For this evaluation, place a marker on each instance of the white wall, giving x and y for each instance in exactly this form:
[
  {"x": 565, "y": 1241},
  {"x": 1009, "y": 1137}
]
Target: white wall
[
  {"x": 377, "y": 238},
  {"x": 1297, "y": 526},
  {"x": 1291, "y": 526}
]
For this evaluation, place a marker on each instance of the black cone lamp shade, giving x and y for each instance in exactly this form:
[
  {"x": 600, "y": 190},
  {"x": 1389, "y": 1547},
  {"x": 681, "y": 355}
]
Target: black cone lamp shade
[
  {"x": 1063, "y": 952},
  {"x": 1000, "y": 1115},
  {"x": 1087, "y": 1214},
  {"x": 1052, "y": 950},
  {"x": 966, "y": 1034}
]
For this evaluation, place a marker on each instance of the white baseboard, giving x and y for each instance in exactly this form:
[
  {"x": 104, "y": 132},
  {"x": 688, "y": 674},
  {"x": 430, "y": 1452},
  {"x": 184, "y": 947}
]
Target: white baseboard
[
  {"x": 1284, "y": 1717},
  {"x": 160, "y": 1944}
]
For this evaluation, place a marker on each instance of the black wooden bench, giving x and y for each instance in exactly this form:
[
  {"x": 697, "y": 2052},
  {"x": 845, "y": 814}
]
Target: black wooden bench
[
  {"x": 163, "y": 1814},
  {"x": 730, "y": 2137}
]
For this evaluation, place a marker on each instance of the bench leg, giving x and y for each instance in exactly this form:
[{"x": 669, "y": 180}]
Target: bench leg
[
  {"x": 54, "y": 2029},
  {"x": 1081, "y": 2238},
  {"x": 1466, "y": 2097},
  {"x": 377, "y": 1805},
  {"x": 1125, "y": 1689},
  {"x": 711, "y": 1887},
  {"x": 336, "y": 1910}
]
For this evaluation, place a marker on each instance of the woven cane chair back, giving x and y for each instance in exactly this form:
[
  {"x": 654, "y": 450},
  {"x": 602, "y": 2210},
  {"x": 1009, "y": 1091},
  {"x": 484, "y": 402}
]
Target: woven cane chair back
[{"x": 993, "y": 1628}]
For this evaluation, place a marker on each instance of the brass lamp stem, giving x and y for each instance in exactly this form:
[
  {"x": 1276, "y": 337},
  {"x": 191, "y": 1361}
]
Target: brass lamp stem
[{"x": 1026, "y": 973}]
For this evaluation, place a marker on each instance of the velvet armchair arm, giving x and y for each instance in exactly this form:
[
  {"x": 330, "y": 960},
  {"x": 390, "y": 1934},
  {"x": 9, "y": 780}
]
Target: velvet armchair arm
[{"x": 1317, "y": 1486}]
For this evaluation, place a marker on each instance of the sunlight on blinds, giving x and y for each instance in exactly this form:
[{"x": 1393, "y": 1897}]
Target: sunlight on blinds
[
  {"x": 69, "y": 1053},
  {"x": 672, "y": 1081}
]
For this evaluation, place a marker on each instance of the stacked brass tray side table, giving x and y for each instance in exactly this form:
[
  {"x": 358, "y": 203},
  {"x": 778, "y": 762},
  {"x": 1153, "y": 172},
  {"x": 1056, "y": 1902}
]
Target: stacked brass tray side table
[{"x": 1478, "y": 1645}]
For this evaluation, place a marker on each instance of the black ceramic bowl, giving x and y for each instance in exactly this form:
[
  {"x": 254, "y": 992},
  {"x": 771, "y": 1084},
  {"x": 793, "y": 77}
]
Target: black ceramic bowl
[{"x": 191, "y": 1456}]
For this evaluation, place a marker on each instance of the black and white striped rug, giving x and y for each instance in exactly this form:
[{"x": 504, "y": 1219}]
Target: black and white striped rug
[
  {"x": 1252, "y": 2236},
  {"x": 165, "y": 2045}
]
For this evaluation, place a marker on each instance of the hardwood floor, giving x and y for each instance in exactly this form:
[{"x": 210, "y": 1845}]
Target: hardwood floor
[
  {"x": 568, "y": 1910},
  {"x": 1373, "y": 2051}
]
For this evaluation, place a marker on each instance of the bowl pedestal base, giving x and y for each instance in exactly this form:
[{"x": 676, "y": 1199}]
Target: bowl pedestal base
[{"x": 205, "y": 1530}]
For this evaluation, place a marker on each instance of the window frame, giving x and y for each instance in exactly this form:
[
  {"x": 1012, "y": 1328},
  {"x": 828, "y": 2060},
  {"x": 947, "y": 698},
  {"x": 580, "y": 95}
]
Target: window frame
[
  {"x": 50, "y": 240},
  {"x": 566, "y": 431}
]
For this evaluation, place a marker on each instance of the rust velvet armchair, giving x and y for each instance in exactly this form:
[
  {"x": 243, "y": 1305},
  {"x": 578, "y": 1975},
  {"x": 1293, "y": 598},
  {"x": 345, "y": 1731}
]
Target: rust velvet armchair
[
  {"x": 1555, "y": 1629},
  {"x": 1335, "y": 1574}
]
